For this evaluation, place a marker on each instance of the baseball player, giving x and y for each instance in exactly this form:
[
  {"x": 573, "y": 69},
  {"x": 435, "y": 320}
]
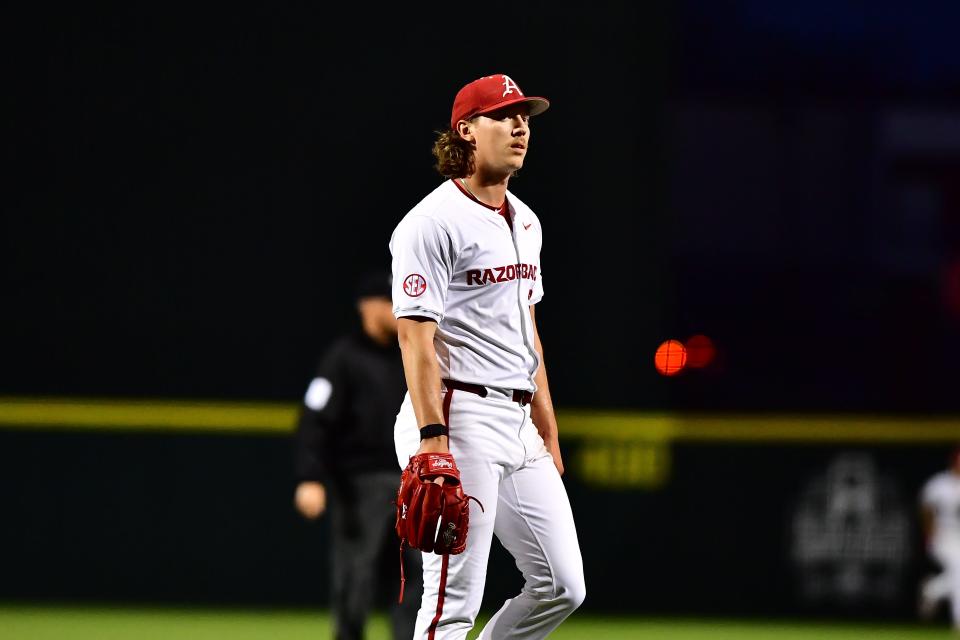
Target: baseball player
[
  {"x": 940, "y": 516},
  {"x": 466, "y": 269},
  {"x": 344, "y": 450}
]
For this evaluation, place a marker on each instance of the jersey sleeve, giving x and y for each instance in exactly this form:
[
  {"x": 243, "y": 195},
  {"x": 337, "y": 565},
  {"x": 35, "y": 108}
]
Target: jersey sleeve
[
  {"x": 928, "y": 495},
  {"x": 321, "y": 413},
  {"x": 422, "y": 267}
]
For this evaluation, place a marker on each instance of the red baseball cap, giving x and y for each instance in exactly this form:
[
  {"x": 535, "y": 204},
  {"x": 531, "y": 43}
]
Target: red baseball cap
[{"x": 490, "y": 93}]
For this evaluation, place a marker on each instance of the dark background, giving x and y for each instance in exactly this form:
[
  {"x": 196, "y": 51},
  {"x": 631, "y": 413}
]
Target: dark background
[
  {"x": 200, "y": 192},
  {"x": 193, "y": 194}
]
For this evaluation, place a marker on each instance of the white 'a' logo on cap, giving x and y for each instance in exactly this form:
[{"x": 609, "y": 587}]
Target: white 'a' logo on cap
[{"x": 508, "y": 86}]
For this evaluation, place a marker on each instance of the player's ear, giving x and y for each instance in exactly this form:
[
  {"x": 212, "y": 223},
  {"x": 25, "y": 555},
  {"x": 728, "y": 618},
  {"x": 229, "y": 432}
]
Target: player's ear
[{"x": 465, "y": 129}]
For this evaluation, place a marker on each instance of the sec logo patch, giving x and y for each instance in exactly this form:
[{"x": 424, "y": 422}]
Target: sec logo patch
[{"x": 414, "y": 285}]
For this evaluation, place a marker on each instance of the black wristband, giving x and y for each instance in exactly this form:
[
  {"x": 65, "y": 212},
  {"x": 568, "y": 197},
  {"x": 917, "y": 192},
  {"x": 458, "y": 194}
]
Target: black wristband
[{"x": 434, "y": 430}]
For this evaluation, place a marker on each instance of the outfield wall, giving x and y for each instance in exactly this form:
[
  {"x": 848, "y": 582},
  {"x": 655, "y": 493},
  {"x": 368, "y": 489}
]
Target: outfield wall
[{"x": 160, "y": 501}]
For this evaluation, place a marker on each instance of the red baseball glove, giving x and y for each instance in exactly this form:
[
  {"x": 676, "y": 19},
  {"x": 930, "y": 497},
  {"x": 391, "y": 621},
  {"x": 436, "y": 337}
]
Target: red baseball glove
[{"x": 433, "y": 517}]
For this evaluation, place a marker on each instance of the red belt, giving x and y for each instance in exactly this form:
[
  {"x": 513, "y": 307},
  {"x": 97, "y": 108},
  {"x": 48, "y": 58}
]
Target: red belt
[{"x": 522, "y": 398}]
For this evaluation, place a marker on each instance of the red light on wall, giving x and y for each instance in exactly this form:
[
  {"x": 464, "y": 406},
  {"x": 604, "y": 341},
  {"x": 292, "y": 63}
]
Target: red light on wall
[
  {"x": 670, "y": 358},
  {"x": 700, "y": 351}
]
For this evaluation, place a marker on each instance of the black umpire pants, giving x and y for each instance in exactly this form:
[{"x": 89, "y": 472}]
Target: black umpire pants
[{"x": 366, "y": 552}]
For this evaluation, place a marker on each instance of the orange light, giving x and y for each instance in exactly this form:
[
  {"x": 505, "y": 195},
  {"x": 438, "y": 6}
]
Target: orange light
[
  {"x": 670, "y": 358},
  {"x": 700, "y": 351}
]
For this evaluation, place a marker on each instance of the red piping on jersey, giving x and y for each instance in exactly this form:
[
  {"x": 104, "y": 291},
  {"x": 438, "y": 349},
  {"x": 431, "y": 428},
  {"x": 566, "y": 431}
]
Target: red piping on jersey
[
  {"x": 503, "y": 210},
  {"x": 470, "y": 195},
  {"x": 443, "y": 587},
  {"x": 446, "y": 409}
]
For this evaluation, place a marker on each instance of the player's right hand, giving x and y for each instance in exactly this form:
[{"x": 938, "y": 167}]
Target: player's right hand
[
  {"x": 310, "y": 499},
  {"x": 554, "y": 450}
]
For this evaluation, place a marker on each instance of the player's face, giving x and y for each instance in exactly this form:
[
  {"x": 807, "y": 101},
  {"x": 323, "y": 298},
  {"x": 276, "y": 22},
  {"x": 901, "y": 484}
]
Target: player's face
[{"x": 502, "y": 138}]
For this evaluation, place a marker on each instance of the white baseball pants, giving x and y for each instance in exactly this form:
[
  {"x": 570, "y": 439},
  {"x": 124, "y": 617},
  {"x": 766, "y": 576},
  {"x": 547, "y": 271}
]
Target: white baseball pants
[
  {"x": 946, "y": 585},
  {"x": 502, "y": 463}
]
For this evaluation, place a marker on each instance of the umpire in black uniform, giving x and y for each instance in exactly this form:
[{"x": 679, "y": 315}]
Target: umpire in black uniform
[{"x": 345, "y": 453}]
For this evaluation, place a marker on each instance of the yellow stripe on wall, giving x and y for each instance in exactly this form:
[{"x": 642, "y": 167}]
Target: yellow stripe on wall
[
  {"x": 166, "y": 415},
  {"x": 179, "y": 416},
  {"x": 758, "y": 428}
]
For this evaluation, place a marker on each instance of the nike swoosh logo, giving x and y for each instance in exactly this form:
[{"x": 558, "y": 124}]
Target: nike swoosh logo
[{"x": 527, "y": 226}]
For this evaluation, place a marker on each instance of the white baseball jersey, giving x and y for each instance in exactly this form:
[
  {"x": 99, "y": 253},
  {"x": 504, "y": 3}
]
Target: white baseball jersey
[
  {"x": 942, "y": 495},
  {"x": 457, "y": 261}
]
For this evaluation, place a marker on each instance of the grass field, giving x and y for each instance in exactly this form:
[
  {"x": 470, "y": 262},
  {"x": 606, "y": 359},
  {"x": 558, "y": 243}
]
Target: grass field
[{"x": 19, "y": 622}]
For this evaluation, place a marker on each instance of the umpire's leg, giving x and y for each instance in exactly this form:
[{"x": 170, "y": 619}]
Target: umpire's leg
[
  {"x": 357, "y": 517},
  {"x": 403, "y": 615},
  {"x": 362, "y": 520}
]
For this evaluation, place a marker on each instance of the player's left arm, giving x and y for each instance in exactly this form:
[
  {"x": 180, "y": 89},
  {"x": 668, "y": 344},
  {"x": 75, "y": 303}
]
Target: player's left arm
[{"x": 541, "y": 408}]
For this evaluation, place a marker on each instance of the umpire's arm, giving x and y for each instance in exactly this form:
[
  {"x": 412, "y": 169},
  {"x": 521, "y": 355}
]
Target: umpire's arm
[
  {"x": 310, "y": 496},
  {"x": 541, "y": 409},
  {"x": 321, "y": 415}
]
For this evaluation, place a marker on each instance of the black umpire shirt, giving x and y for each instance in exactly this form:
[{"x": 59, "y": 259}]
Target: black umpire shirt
[{"x": 347, "y": 417}]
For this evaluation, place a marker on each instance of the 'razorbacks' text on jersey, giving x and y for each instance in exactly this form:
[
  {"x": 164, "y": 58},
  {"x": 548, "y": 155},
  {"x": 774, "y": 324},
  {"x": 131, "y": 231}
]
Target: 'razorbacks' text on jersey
[{"x": 459, "y": 262}]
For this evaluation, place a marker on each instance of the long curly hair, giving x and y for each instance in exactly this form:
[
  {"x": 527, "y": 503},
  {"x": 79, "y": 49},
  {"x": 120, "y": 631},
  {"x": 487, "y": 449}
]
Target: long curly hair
[{"x": 454, "y": 155}]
